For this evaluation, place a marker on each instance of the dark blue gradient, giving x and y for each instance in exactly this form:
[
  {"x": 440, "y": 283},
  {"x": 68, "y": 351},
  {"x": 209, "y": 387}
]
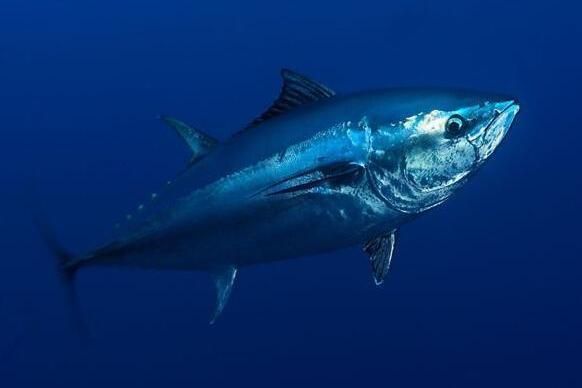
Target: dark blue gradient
[{"x": 484, "y": 291}]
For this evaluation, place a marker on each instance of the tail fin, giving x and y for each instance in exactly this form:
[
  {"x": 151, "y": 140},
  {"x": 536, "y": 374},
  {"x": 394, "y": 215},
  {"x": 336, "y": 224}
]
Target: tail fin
[{"x": 67, "y": 268}]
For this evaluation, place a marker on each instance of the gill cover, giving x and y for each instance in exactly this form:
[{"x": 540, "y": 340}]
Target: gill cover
[{"x": 418, "y": 162}]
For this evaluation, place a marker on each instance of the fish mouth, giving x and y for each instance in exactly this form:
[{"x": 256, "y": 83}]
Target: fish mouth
[
  {"x": 497, "y": 128},
  {"x": 505, "y": 110}
]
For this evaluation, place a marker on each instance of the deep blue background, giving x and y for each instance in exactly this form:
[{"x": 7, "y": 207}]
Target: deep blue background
[{"x": 484, "y": 291}]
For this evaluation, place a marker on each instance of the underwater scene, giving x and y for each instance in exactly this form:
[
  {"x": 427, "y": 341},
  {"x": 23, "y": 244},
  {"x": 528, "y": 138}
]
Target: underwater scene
[{"x": 283, "y": 194}]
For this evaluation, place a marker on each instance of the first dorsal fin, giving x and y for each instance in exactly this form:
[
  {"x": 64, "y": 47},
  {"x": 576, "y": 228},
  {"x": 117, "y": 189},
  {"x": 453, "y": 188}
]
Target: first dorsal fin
[
  {"x": 200, "y": 143},
  {"x": 297, "y": 90}
]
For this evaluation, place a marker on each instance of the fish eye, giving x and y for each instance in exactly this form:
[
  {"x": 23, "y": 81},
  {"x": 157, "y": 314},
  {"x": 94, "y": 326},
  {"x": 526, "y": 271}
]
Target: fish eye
[{"x": 455, "y": 125}]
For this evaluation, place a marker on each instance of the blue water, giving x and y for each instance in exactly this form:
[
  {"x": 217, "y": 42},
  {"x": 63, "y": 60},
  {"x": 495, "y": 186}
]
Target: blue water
[{"x": 484, "y": 291}]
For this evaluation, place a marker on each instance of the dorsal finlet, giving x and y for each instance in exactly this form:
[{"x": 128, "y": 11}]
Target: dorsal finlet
[{"x": 296, "y": 90}]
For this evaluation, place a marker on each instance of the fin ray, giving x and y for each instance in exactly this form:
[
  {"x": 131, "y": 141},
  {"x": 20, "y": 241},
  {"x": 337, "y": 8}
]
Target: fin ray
[{"x": 296, "y": 90}]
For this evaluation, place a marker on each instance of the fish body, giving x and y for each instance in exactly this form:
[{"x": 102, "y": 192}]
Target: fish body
[{"x": 316, "y": 172}]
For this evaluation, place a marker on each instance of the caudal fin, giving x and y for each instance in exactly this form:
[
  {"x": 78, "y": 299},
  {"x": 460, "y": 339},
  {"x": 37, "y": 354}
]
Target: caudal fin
[{"x": 67, "y": 268}]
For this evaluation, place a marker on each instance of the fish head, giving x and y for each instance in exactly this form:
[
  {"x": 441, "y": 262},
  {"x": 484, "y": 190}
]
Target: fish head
[{"x": 435, "y": 144}]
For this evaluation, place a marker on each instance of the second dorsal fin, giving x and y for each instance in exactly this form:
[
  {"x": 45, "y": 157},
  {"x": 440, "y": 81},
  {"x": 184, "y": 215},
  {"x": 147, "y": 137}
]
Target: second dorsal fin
[
  {"x": 199, "y": 143},
  {"x": 297, "y": 90}
]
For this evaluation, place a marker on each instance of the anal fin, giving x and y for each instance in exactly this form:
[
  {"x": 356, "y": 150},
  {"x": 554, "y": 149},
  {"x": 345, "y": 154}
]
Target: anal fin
[{"x": 223, "y": 280}]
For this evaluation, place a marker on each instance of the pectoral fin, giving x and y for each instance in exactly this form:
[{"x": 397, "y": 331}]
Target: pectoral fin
[
  {"x": 380, "y": 250},
  {"x": 223, "y": 279},
  {"x": 326, "y": 176}
]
